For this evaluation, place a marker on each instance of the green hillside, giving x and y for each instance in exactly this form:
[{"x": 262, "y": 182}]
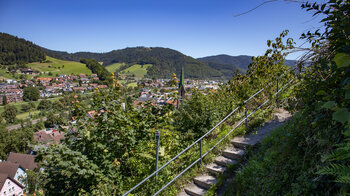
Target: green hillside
[
  {"x": 138, "y": 71},
  {"x": 56, "y": 66},
  {"x": 14, "y": 50},
  {"x": 164, "y": 61},
  {"x": 113, "y": 67}
]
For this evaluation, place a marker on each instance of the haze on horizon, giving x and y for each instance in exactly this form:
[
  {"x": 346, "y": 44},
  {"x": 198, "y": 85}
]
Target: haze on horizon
[{"x": 196, "y": 28}]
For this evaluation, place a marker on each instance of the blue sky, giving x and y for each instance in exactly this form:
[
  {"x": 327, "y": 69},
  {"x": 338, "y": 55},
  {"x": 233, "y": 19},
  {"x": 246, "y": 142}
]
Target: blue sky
[{"x": 194, "y": 27}]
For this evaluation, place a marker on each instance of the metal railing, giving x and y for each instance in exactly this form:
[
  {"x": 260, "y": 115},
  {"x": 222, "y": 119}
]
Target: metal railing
[{"x": 210, "y": 131}]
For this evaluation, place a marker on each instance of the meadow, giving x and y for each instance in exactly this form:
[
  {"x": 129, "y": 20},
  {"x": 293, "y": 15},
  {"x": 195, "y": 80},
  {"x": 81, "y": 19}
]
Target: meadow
[
  {"x": 139, "y": 71},
  {"x": 62, "y": 67}
]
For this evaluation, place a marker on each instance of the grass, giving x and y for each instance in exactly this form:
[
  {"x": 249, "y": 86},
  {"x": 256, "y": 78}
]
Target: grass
[
  {"x": 138, "y": 70},
  {"x": 18, "y": 105},
  {"x": 114, "y": 66},
  {"x": 133, "y": 84},
  {"x": 57, "y": 66},
  {"x": 25, "y": 115},
  {"x": 4, "y": 75}
]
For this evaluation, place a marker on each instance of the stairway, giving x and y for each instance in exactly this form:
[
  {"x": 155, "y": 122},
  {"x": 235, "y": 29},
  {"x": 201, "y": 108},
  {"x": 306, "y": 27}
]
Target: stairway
[{"x": 232, "y": 155}]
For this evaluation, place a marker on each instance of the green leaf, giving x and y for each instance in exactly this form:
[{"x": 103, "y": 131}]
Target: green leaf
[
  {"x": 329, "y": 105},
  {"x": 347, "y": 133},
  {"x": 342, "y": 115},
  {"x": 342, "y": 60},
  {"x": 347, "y": 94},
  {"x": 321, "y": 92}
]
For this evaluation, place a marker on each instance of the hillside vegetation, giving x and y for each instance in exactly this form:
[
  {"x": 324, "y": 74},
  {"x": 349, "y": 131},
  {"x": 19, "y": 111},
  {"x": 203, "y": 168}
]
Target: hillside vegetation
[
  {"x": 165, "y": 61},
  {"x": 310, "y": 154},
  {"x": 113, "y": 67},
  {"x": 57, "y": 66},
  {"x": 14, "y": 50},
  {"x": 138, "y": 71}
]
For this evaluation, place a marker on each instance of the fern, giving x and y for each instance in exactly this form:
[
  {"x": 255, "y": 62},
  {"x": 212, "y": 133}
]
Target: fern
[{"x": 340, "y": 169}]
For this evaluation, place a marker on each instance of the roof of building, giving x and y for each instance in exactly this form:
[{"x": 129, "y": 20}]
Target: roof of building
[
  {"x": 27, "y": 161},
  {"x": 9, "y": 168},
  {"x": 142, "y": 99},
  {"x": 54, "y": 137}
]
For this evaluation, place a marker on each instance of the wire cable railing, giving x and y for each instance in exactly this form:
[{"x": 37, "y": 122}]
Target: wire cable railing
[{"x": 199, "y": 140}]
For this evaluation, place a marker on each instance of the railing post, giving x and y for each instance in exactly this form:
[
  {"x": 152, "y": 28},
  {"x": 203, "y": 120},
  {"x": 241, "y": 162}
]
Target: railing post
[
  {"x": 157, "y": 134},
  {"x": 200, "y": 150},
  {"x": 277, "y": 95},
  {"x": 245, "y": 114}
]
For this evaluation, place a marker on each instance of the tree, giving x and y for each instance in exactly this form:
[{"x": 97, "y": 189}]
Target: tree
[
  {"x": 57, "y": 105},
  {"x": 17, "y": 140},
  {"x": 31, "y": 94},
  {"x": 10, "y": 113},
  {"x": 32, "y": 181},
  {"x": 25, "y": 107},
  {"x": 4, "y": 100},
  {"x": 44, "y": 105},
  {"x": 53, "y": 120}
]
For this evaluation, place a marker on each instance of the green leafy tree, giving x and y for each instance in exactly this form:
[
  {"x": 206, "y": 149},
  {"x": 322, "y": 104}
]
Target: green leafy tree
[
  {"x": 17, "y": 140},
  {"x": 31, "y": 94},
  {"x": 44, "y": 105},
  {"x": 10, "y": 113},
  {"x": 111, "y": 145},
  {"x": 32, "y": 182},
  {"x": 53, "y": 120},
  {"x": 57, "y": 105}
]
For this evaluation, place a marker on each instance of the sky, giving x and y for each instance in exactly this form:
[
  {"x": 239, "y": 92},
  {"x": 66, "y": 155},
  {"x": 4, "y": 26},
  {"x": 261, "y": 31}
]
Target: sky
[{"x": 196, "y": 28}]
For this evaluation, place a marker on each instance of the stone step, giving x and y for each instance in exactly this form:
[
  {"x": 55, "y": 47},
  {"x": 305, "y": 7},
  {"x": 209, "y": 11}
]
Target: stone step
[
  {"x": 244, "y": 142},
  {"x": 195, "y": 190},
  {"x": 233, "y": 153},
  {"x": 215, "y": 169},
  {"x": 205, "y": 181},
  {"x": 182, "y": 193},
  {"x": 223, "y": 161}
]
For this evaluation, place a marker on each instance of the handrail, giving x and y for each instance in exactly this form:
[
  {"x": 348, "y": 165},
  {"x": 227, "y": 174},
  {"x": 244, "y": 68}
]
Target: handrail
[
  {"x": 198, "y": 140},
  {"x": 187, "y": 168}
]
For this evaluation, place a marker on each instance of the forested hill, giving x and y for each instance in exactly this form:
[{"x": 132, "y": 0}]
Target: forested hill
[
  {"x": 227, "y": 62},
  {"x": 14, "y": 50},
  {"x": 165, "y": 61}
]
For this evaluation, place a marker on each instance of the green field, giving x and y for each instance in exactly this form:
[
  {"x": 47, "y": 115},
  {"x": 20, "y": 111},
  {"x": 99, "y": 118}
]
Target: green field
[
  {"x": 60, "y": 67},
  {"x": 111, "y": 68},
  {"x": 138, "y": 70},
  {"x": 4, "y": 75},
  {"x": 25, "y": 115},
  {"x": 133, "y": 84},
  {"x": 18, "y": 105}
]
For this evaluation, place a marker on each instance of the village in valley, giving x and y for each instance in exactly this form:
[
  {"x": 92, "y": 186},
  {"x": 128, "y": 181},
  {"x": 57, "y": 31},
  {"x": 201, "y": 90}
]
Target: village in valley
[{"x": 157, "y": 92}]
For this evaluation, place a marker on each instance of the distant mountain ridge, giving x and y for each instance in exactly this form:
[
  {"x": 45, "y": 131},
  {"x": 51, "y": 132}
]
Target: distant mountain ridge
[
  {"x": 227, "y": 64},
  {"x": 165, "y": 61}
]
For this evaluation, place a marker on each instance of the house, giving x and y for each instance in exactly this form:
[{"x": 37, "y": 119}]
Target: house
[
  {"x": 27, "y": 71},
  {"x": 9, "y": 186},
  {"x": 82, "y": 75},
  {"x": 13, "y": 170},
  {"x": 43, "y": 80},
  {"x": 27, "y": 161},
  {"x": 49, "y": 137}
]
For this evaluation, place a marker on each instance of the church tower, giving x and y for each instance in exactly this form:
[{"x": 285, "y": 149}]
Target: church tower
[{"x": 181, "y": 87}]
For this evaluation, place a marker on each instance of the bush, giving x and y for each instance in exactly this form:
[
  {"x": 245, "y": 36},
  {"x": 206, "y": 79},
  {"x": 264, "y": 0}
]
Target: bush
[{"x": 31, "y": 94}]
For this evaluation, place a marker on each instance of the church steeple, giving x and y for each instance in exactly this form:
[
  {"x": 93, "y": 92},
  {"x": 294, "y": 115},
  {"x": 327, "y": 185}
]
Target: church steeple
[{"x": 181, "y": 87}]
